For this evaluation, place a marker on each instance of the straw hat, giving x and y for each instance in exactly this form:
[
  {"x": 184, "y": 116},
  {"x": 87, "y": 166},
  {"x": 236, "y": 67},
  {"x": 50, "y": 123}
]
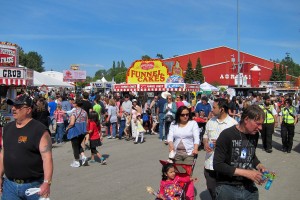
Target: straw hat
[{"x": 165, "y": 94}]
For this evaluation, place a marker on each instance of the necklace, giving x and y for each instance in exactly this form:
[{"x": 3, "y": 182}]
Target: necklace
[{"x": 240, "y": 133}]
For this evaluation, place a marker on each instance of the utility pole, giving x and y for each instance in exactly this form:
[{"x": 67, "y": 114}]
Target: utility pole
[{"x": 238, "y": 45}]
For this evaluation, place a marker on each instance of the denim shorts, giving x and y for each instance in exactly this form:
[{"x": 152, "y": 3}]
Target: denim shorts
[{"x": 16, "y": 191}]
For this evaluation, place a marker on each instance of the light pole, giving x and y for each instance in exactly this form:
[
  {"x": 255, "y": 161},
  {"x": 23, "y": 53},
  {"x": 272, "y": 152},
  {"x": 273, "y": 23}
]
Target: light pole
[{"x": 238, "y": 45}]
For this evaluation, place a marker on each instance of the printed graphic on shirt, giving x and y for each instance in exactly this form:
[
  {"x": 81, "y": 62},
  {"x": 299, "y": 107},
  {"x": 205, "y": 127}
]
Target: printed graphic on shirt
[
  {"x": 242, "y": 153},
  {"x": 22, "y": 139}
]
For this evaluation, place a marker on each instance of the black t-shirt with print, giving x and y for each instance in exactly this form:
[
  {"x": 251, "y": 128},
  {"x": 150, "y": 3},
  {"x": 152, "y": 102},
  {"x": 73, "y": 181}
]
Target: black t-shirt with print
[{"x": 234, "y": 150}]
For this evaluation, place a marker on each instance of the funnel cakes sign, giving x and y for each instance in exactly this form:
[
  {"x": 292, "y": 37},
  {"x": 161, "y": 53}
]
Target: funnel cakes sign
[{"x": 147, "y": 71}]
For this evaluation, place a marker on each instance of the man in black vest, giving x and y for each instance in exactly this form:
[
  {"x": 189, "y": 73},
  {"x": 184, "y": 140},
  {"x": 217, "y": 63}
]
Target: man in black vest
[{"x": 26, "y": 157}]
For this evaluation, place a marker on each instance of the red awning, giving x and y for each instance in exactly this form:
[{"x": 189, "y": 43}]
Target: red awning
[
  {"x": 10, "y": 81},
  {"x": 175, "y": 89},
  {"x": 125, "y": 87},
  {"x": 192, "y": 87},
  {"x": 152, "y": 87}
]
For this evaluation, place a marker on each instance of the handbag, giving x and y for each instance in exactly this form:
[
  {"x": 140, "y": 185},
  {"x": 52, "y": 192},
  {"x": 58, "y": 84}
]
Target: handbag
[
  {"x": 169, "y": 118},
  {"x": 67, "y": 130}
]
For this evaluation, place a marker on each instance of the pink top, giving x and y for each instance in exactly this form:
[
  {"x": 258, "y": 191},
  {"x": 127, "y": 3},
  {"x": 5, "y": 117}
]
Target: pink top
[
  {"x": 179, "y": 104},
  {"x": 172, "y": 189},
  {"x": 59, "y": 116},
  {"x": 134, "y": 113}
]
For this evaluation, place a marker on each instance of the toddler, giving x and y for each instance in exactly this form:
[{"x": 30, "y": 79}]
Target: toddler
[
  {"x": 171, "y": 184},
  {"x": 94, "y": 131}
]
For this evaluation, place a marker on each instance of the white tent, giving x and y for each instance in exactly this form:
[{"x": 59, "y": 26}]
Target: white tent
[
  {"x": 40, "y": 79},
  {"x": 208, "y": 87}
]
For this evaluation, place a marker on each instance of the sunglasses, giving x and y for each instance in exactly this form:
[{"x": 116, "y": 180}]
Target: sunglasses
[{"x": 185, "y": 115}]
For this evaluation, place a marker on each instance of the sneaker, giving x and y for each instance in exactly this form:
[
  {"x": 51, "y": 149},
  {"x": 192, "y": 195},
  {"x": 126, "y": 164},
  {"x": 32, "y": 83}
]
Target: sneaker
[
  {"x": 83, "y": 160},
  {"x": 102, "y": 161},
  {"x": 109, "y": 137},
  {"x": 75, "y": 164},
  {"x": 92, "y": 161},
  {"x": 269, "y": 150},
  {"x": 113, "y": 137}
]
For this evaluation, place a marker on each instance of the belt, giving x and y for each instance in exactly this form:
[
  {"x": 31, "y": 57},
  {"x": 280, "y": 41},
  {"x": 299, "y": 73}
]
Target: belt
[{"x": 23, "y": 181}]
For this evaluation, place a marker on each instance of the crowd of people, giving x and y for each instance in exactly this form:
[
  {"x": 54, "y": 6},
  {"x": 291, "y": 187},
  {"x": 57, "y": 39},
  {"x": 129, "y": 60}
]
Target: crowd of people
[{"x": 227, "y": 128}]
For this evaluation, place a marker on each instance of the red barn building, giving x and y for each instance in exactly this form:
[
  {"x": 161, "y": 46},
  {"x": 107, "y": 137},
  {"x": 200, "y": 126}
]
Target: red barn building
[{"x": 220, "y": 66}]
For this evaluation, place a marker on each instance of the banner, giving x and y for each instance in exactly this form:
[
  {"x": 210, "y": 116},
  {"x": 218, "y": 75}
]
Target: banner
[
  {"x": 9, "y": 56},
  {"x": 74, "y": 76},
  {"x": 147, "y": 71}
]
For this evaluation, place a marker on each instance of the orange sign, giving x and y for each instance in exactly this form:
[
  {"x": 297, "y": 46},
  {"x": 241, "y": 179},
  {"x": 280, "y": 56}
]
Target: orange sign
[{"x": 147, "y": 71}]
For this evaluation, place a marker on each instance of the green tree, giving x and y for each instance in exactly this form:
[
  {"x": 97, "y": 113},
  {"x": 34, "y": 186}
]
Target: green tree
[
  {"x": 280, "y": 73},
  {"x": 292, "y": 67},
  {"x": 189, "y": 75},
  {"x": 146, "y": 57},
  {"x": 121, "y": 77},
  {"x": 122, "y": 65},
  {"x": 275, "y": 74},
  {"x": 100, "y": 73},
  {"x": 198, "y": 73},
  {"x": 160, "y": 56},
  {"x": 31, "y": 60},
  {"x": 34, "y": 61}
]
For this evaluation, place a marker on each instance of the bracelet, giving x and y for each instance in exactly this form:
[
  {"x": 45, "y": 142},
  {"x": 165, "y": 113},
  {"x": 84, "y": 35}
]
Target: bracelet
[{"x": 48, "y": 182}]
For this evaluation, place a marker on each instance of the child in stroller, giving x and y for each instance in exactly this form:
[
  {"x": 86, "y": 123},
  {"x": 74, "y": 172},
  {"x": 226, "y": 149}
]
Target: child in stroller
[{"x": 174, "y": 181}]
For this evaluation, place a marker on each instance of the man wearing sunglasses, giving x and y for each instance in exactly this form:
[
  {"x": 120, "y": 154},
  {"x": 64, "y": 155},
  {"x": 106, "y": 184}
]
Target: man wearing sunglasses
[{"x": 26, "y": 157}]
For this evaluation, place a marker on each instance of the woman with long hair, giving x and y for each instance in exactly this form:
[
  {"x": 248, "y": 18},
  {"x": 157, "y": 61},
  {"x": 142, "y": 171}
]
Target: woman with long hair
[
  {"x": 40, "y": 112},
  {"x": 76, "y": 132},
  {"x": 112, "y": 118},
  {"x": 170, "y": 109},
  {"x": 184, "y": 140}
]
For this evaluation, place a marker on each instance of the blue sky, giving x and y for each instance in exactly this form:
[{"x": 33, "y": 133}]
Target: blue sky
[{"x": 94, "y": 33}]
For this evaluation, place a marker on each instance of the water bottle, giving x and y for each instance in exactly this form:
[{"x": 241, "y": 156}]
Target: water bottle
[{"x": 268, "y": 184}]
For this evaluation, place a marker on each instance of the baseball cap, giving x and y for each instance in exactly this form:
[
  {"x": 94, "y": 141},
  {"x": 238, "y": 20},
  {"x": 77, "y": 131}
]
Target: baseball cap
[
  {"x": 23, "y": 99},
  {"x": 134, "y": 100}
]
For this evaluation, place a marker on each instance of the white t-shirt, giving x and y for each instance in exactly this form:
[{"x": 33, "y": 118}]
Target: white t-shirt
[
  {"x": 189, "y": 134},
  {"x": 213, "y": 129}
]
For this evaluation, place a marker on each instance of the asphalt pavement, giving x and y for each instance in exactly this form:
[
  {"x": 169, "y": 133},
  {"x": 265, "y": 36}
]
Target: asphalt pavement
[{"x": 132, "y": 167}]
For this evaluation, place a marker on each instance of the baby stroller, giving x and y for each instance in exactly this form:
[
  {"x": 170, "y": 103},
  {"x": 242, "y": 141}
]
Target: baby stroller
[{"x": 181, "y": 170}]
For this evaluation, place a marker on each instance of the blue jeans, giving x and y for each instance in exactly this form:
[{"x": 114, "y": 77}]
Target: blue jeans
[
  {"x": 122, "y": 127},
  {"x": 59, "y": 132},
  {"x": 114, "y": 129},
  {"x": 15, "y": 191},
  {"x": 161, "y": 125},
  {"x": 229, "y": 192}
]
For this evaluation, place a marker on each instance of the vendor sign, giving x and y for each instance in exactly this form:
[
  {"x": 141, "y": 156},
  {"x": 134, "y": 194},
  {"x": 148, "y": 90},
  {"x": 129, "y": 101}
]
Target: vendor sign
[
  {"x": 152, "y": 87},
  {"x": 125, "y": 87},
  {"x": 9, "y": 56},
  {"x": 192, "y": 87},
  {"x": 147, "y": 71},
  {"x": 74, "y": 76},
  {"x": 175, "y": 86}
]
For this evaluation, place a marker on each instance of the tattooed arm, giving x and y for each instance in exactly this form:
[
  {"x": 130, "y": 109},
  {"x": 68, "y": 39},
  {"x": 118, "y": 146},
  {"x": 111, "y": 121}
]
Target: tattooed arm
[{"x": 46, "y": 153}]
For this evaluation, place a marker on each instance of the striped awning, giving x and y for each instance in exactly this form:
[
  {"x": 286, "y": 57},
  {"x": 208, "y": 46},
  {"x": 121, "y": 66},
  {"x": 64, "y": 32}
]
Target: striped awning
[{"x": 13, "y": 81}]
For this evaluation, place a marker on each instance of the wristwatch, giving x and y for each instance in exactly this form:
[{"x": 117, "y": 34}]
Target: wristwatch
[{"x": 48, "y": 182}]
